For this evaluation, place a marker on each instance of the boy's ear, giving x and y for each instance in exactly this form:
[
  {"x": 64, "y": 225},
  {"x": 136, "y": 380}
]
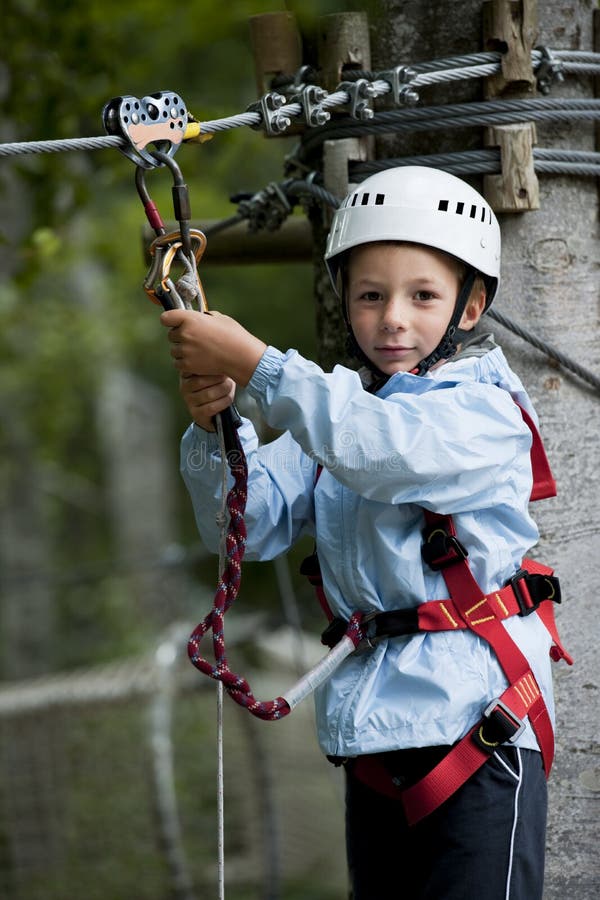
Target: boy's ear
[{"x": 474, "y": 308}]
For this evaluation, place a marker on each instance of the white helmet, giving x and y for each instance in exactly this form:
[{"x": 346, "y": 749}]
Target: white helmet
[{"x": 423, "y": 206}]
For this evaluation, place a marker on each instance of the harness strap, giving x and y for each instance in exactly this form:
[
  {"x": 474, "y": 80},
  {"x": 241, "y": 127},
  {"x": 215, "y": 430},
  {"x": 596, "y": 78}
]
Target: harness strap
[
  {"x": 531, "y": 590},
  {"x": 522, "y": 698},
  {"x": 544, "y": 484},
  {"x": 502, "y": 721}
]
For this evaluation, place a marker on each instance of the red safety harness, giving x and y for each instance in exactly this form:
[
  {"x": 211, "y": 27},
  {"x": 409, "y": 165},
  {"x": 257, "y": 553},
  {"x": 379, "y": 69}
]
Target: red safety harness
[{"x": 533, "y": 589}]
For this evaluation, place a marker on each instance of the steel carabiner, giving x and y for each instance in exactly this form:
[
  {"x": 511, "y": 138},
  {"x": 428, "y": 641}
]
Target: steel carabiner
[
  {"x": 187, "y": 246},
  {"x": 177, "y": 244},
  {"x": 158, "y": 283}
]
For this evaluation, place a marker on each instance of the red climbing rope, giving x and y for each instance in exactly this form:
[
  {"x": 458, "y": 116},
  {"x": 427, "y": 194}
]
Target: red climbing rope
[{"x": 227, "y": 590}]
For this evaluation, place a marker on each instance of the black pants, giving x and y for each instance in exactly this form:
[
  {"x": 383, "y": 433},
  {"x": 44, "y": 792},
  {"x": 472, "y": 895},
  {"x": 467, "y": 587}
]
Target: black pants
[{"x": 485, "y": 842}]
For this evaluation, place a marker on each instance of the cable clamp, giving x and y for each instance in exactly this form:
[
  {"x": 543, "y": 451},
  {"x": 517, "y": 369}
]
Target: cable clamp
[
  {"x": 360, "y": 93},
  {"x": 549, "y": 70},
  {"x": 272, "y": 120},
  {"x": 310, "y": 97},
  {"x": 267, "y": 209},
  {"x": 401, "y": 81}
]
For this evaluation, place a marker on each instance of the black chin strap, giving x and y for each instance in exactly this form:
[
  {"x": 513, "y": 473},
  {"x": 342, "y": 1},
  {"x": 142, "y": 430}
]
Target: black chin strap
[{"x": 447, "y": 347}]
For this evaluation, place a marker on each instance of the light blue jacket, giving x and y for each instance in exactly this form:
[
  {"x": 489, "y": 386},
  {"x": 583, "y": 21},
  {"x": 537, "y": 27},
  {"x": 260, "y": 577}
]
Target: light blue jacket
[{"x": 453, "y": 442}]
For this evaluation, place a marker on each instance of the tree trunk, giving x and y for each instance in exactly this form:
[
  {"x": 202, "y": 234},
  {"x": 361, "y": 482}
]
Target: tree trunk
[{"x": 549, "y": 285}]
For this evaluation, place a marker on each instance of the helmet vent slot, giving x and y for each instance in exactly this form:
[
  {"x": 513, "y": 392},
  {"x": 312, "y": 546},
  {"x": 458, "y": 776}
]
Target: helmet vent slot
[
  {"x": 459, "y": 208},
  {"x": 366, "y": 200},
  {"x": 473, "y": 212},
  {"x": 443, "y": 206}
]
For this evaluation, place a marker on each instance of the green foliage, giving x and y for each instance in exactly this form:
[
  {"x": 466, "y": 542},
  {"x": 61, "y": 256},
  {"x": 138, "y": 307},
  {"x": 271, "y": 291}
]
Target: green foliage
[{"x": 71, "y": 260}]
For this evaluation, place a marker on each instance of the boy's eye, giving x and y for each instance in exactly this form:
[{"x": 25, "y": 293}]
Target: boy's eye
[
  {"x": 424, "y": 295},
  {"x": 370, "y": 295}
]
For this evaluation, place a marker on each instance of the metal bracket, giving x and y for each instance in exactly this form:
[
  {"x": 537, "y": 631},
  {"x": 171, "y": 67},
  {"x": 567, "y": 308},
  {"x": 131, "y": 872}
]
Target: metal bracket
[
  {"x": 158, "y": 119},
  {"x": 549, "y": 70},
  {"x": 360, "y": 92},
  {"x": 273, "y": 121},
  {"x": 310, "y": 97},
  {"x": 266, "y": 209},
  {"x": 400, "y": 79}
]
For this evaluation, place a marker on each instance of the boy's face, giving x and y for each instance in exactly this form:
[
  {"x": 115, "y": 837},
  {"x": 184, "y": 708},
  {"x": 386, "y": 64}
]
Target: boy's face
[{"x": 400, "y": 300}]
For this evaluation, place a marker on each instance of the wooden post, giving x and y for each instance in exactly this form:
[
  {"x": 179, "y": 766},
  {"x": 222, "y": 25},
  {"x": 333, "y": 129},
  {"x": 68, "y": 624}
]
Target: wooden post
[
  {"x": 517, "y": 188},
  {"x": 336, "y": 156},
  {"x": 510, "y": 26},
  {"x": 276, "y": 46},
  {"x": 343, "y": 44}
]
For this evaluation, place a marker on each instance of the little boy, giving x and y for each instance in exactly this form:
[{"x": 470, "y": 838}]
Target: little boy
[{"x": 400, "y": 471}]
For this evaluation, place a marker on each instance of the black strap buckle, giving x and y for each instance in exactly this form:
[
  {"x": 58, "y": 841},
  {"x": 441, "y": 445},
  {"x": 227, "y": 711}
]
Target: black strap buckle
[
  {"x": 311, "y": 569},
  {"x": 499, "y": 726},
  {"x": 440, "y": 549},
  {"x": 334, "y": 632},
  {"x": 531, "y": 590}
]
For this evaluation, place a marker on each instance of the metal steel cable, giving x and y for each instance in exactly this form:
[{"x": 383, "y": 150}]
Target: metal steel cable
[
  {"x": 422, "y": 79},
  {"x": 565, "y": 361},
  {"x": 488, "y": 64},
  {"x": 487, "y": 161},
  {"x": 239, "y": 120},
  {"x": 488, "y": 112},
  {"x": 430, "y": 72},
  {"x": 566, "y": 168},
  {"x": 298, "y": 186},
  {"x": 60, "y": 146}
]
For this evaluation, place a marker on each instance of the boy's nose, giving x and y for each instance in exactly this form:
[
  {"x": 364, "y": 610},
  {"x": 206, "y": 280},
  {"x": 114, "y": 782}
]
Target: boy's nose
[{"x": 394, "y": 315}]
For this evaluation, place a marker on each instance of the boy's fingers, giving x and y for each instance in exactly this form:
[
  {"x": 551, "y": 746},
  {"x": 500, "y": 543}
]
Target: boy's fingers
[{"x": 172, "y": 318}]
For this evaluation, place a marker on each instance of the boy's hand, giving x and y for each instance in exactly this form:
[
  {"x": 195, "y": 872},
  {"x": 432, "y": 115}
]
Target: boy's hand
[
  {"x": 202, "y": 344},
  {"x": 205, "y": 396}
]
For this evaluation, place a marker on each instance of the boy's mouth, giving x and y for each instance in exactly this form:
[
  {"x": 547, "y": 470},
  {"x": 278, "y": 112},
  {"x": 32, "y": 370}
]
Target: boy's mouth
[{"x": 395, "y": 349}]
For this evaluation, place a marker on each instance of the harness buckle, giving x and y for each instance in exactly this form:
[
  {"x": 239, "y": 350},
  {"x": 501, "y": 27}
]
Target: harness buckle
[
  {"x": 525, "y": 601},
  {"x": 532, "y": 590},
  {"x": 499, "y": 726},
  {"x": 440, "y": 549},
  {"x": 334, "y": 632}
]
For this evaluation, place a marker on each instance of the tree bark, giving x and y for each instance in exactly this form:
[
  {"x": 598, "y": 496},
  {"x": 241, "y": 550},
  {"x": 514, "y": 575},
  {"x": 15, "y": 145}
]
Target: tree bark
[{"x": 550, "y": 286}]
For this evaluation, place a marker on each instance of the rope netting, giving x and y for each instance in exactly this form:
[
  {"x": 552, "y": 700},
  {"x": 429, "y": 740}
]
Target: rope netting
[{"x": 117, "y": 798}]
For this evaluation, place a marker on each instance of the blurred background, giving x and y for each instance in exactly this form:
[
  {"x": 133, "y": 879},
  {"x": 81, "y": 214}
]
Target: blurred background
[
  {"x": 100, "y": 563},
  {"x": 108, "y": 746}
]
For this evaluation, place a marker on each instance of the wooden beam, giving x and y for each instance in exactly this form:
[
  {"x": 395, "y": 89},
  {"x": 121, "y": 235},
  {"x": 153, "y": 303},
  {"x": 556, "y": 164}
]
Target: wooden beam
[{"x": 236, "y": 246}]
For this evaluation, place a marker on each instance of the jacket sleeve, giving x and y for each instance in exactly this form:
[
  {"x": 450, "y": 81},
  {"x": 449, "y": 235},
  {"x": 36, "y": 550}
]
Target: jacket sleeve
[
  {"x": 454, "y": 447},
  {"x": 280, "y": 489}
]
